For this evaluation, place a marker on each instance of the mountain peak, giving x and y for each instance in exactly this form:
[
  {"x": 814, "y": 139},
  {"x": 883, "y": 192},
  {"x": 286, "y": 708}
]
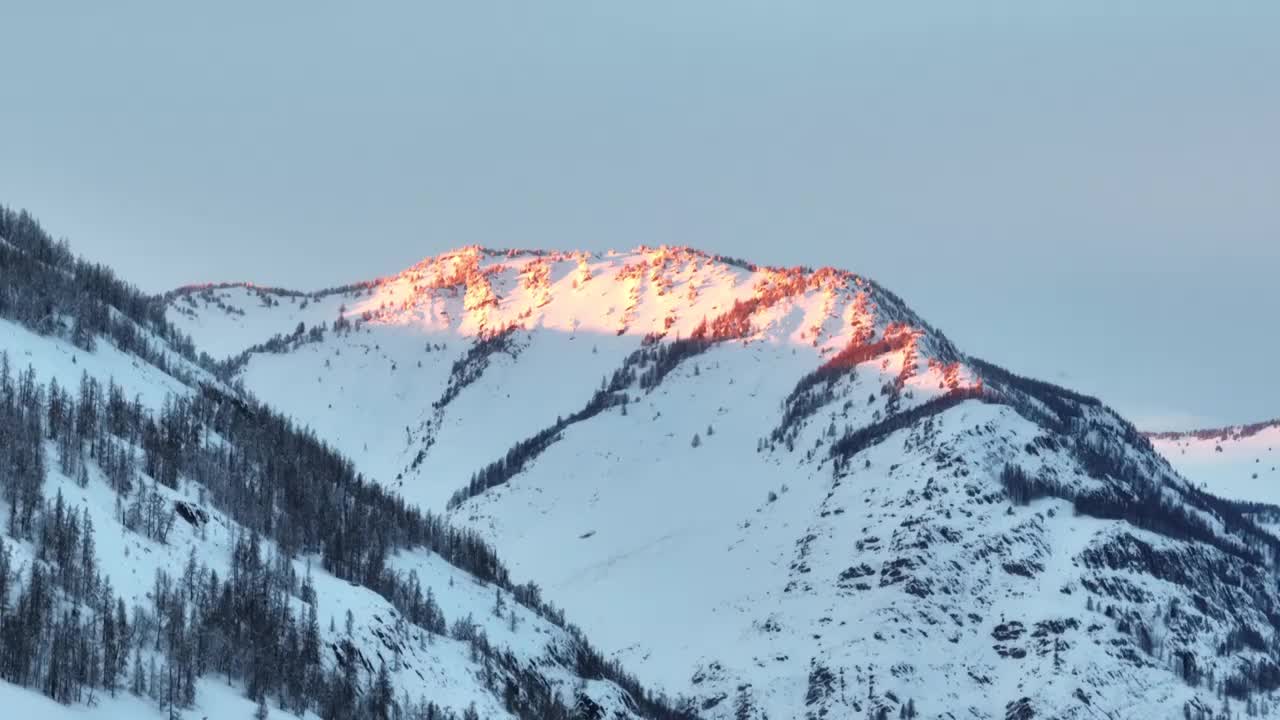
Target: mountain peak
[
  {"x": 783, "y": 464},
  {"x": 662, "y": 292}
]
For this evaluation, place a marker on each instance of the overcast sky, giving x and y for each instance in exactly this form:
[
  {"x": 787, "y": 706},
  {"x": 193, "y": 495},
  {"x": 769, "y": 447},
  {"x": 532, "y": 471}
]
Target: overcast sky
[{"x": 1088, "y": 192}]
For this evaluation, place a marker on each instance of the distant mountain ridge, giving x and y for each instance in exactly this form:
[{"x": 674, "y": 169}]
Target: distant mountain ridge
[
  {"x": 1228, "y": 432},
  {"x": 1238, "y": 461}
]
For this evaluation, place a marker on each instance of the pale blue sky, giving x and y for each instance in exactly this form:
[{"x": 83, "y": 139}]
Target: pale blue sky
[{"x": 1084, "y": 191}]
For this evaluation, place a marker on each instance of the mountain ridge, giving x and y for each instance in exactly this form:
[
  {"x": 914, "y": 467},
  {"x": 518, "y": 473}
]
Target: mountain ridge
[
  {"x": 1240, "y": 461},
  {"x": 484, "y": 287},
  {"x": 1224, "y": 432},
  {"x": 776, "y": 461}
]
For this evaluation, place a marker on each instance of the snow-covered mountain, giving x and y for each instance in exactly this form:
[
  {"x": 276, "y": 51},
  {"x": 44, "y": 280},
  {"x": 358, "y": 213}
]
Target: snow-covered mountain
[
  {"x": 173, "y": 546},
  {"x": 775, "y": 491},
  {"x": 1239, "y": 461}
]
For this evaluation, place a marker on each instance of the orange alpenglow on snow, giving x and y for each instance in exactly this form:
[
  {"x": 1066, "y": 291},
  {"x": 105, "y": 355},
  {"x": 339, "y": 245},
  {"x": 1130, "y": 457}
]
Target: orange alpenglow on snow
[{"x": 655, "y": 293}]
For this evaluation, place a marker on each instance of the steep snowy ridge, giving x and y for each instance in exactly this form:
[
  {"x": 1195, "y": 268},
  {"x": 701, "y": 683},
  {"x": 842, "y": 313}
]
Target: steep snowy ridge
[
  {"x": 660, "y": 293},
  {"x": 777, "y": 491},
  {"x": 1239, "y": 461},
  {"x": 461, "y": 313},
  {"x": 143, "y": 452}
]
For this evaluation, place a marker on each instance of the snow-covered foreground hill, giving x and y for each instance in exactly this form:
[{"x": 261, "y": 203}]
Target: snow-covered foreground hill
[
  {"x": 776, "y": 492},
  {"x": 153, "y": 563},
  {"x": 1241, "y": 461}
]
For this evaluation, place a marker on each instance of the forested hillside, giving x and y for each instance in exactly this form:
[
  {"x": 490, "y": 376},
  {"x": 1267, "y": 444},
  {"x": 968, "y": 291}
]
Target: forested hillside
[{"x": 163, "y": 530}]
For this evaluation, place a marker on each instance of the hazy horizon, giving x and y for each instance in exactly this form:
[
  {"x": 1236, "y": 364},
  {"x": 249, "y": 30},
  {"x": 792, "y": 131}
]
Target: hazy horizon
[{"x": 1083, "y": 192}]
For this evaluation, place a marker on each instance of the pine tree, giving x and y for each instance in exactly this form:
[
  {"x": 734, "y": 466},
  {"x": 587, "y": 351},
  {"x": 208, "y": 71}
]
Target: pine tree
[
  {"x": 139, "y": 684},
  {"x": 382, "y": 695},
  {"x": 110, "y": 643},
  {"x": 311, "y": 638},
  {"x": 86, "y": 583},
  {"x": 742, "y": 707},
  {"x": 153, "y": 681},
  {"x": 5, "y": 562}
]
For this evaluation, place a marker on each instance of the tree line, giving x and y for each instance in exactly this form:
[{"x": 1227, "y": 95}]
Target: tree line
[{"x": 45, "y": 287}]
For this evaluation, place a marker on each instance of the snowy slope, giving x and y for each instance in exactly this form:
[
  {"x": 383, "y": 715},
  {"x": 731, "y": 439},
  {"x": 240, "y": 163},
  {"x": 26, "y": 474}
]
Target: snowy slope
[
  {"x": 424, "y": 665},
  {"x": 242, "y": 322},
  {"x": 217, "y": 700},
  {"x": 1237, "y": 462},
  {"x": 374, "y": 390},
  {"x": 780, "y": 491}
]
